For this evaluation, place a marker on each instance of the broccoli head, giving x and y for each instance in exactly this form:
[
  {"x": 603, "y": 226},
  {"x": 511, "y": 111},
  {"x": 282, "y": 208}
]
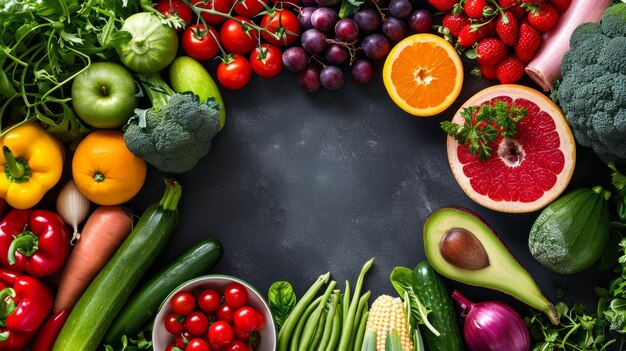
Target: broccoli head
[
  {"x": 176, "y": 132},
  {"x": 592, "y": 92}
]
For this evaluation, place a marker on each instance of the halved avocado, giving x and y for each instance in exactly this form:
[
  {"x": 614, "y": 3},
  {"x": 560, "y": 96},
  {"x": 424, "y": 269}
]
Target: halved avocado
[{"x": 501, "y": 272}]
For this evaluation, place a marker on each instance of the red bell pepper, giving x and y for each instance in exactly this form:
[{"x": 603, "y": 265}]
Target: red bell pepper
[
  {"x": 25, "y": 302},
  {"x": 34, "y": 241}
]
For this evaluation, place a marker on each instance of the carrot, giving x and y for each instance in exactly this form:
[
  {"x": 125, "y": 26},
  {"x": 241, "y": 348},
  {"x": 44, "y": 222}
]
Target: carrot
[{"x": 103, "y": 233}]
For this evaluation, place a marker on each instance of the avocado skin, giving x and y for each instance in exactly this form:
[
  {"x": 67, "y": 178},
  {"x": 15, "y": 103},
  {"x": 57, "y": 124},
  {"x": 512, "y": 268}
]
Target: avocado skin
[{"x": 504, "y": 272}]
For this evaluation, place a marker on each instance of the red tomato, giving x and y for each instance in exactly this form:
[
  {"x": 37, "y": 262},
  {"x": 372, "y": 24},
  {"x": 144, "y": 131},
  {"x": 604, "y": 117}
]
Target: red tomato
[
  {"x": 209, "y": 300},
  {"x": 174, "y": 324},
  {"x": 198, "y": 344},
  {"x": 283, "y": 23},
  {"x": 285, "y": 4},
  {"x": 260, "y": 321},
  {"x": 236, "y": 345},
  {"x": 234, "y": 75},
  {"x": 196, "y": 323},
  {"x": 183, "y": 303},
  {"x": 246, "y": 318},
  {"x": 240, "y": 334},
  {"x": 236, "y": 295},
  {"x": 226, "y": 314},
  {"x": 216, "y": 347},
  {"x": 266, "y": 61},
  {"x": 168, "y": 7},
  {"x": 220, "y": 332},
  {"x": 170, "y": 347},
  {"x": 222, "y": 6},
  {"x": 180, "y": 342},
  {"x": 249, "y": 8},
  {"x": 200, "y": 43},
  {"x": 237, "y": 37}
]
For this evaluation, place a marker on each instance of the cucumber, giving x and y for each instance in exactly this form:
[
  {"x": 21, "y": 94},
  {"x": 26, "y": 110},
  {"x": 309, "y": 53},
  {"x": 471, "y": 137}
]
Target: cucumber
[
  {"x": 572, "y": 232},
  {"x": 144, "y": 304},
  {"x": 97, "y": 307},
  {"x": 187, "y": 74},
  {"x": 433, "y": 293}
]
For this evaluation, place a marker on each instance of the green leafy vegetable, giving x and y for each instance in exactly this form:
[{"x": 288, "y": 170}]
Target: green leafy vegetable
[
  {"x": 483, "y": 125},
  {"x": 402, "y": 281},
  {"x": 130, "y": 344},
  {"x": 282, "y": 300}
]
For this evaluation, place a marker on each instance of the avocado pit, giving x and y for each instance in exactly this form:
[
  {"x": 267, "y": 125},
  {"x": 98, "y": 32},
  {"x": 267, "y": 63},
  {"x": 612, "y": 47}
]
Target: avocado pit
[{"x": 462, "y": 249}]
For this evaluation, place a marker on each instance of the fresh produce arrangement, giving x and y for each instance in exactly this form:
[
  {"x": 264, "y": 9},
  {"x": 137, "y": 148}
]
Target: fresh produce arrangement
[{"x": 95, "y": 95}]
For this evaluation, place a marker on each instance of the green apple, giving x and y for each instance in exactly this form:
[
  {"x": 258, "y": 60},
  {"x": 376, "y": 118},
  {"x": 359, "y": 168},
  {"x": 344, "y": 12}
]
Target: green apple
[{"x": 104, "y": 95}]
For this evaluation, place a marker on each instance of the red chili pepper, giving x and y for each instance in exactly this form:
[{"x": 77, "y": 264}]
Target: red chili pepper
[
  {"x": 44, "y": 341},
  {"x": 34, "y": 241},
  {"x": 25, "y": 302}
]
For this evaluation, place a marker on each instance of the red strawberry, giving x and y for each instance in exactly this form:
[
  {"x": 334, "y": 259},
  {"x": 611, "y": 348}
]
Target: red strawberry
[
  {"x": 490, "y": 51},
  {"x": 543, "y": 17},
  {"x": 442, "y": 5},
  {"x": 455, "y": 22},
  {"x": 561, "y": 5},
  {"x": 469, "y": 37},
  {"x": 507, "y": 31},
  {"x": 510, "y": 70},
  {"x": 528, "y": 42},
  {"x": 488, "y": 72},
  {"x": 513, "y": 6},
  {"x": 474, "y": 8}
]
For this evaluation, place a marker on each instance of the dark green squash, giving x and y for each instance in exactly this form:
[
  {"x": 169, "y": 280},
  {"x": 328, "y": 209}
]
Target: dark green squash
[{"x": 571, "y": 233}]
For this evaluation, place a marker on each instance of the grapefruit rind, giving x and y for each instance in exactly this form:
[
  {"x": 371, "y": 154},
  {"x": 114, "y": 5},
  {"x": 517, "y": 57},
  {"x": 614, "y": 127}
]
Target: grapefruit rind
[
  {"x": 391, "y": 89},
  {"x": 567, "y": 146}
]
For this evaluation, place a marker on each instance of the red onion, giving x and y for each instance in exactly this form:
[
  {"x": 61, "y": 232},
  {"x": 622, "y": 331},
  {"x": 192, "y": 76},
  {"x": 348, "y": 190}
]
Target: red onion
[{"x": 492, "y": 326}]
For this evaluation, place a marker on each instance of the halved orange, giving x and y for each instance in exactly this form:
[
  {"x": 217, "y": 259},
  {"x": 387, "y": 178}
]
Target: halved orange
[{"x": 423, "y": 74}]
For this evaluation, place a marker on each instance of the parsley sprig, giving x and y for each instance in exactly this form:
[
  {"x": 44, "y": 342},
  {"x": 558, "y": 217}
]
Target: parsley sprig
[{"x": 483, "y": 124}]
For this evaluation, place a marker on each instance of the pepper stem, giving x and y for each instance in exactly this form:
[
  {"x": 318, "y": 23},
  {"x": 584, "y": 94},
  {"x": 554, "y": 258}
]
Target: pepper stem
[
  {"x": 463, "y": 301},
  {"x": 171, "y": 197},
  {"x": 4, "y": 336},
  {"x": 26, "y": 243},
  {"x": 16, "y": 169},
  {"x": 7, "y": 305}
]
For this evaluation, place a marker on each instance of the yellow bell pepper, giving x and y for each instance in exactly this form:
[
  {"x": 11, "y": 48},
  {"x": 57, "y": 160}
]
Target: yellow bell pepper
[{"x": 32, "y": 160}]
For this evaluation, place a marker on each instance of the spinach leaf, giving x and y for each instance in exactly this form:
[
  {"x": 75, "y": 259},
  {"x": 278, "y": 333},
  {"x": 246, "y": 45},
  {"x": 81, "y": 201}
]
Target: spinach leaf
[
  {"x": 402, "y": 280},
  {"x": 282, "y": 300}
]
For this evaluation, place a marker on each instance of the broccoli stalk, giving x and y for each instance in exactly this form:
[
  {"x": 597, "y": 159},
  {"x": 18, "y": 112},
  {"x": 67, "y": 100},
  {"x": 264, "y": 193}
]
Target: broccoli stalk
[{"x": 176, "y": 131}]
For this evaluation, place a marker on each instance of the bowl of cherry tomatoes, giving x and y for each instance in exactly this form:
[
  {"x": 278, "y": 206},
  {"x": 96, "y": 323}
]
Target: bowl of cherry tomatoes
[{"x": 214, "y": 312}]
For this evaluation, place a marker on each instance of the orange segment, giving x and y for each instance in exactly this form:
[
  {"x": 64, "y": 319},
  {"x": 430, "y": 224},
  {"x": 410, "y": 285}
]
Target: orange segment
[{"x": 423, "y": 74}]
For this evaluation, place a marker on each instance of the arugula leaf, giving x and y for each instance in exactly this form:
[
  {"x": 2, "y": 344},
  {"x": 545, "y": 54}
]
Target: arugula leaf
[
  {"x": 282, "y": 301},
  {"x": 402, "y": 280}
]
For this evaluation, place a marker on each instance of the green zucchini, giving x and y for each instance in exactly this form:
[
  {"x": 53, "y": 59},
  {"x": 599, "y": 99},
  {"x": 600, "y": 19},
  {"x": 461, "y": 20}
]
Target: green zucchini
[
  {"x": 144, "y": 303},
  {"x": 97, "y": 307},
  {"x": 572, "y": 232},
  {"x": 430, "y": 289}
]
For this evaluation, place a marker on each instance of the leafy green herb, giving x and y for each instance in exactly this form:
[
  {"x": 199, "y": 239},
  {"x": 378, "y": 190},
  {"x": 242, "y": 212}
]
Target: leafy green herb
[
  {"x": 282, "y": 301},
  {"x": 129, "y": 344},
  {"x": 402, "y": 280},
  {"x": 483, "y": 125}
]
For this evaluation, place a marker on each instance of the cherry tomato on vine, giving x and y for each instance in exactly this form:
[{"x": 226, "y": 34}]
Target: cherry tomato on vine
[
  {"x": 174, "y": 324},
  {"x": 246, "y": 318},
  {"x": 234, "y": 74},
  {"x": 220, "y": 332},
  {"x": 200, "y": 43},
  {"x": 285, "y": 4},
  {"x": 209, "y": 300},
  {"x": 239, "y": 37},
  {"x": 235, "y": 295},
  {"x": 249, "y": 8},
  {"x": 283, "y": 23},
  {"x": 237, "y": 345},
  {"x": 266, "y": 60},
  {"x": 167, "y": 7},
  {"x": 222, "y": 6},
  {"x": 196, "y": 323},
  {"x": 197, "y": 344},
  {"x": 183, "y": 303}
]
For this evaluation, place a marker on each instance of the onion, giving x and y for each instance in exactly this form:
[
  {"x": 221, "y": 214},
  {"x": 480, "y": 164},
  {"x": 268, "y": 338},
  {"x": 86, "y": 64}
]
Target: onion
[
  {"x": 492, "y": 326},
  {"x": 72, "y": 206}
]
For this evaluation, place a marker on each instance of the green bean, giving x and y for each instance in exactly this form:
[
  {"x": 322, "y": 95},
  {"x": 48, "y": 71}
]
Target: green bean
[
  {"x": 319, "y": 330},
  {"x": 359, "y": 312},
  {"x": 346, "y": 302},
  {"x": 290, "y": 323},
  {"x": 311, "y": 324},
  {"x": 328, "y": 324},
  {"x": 360, "y": 334},
  {"x": 336, "y": 331},
  {"x": 344, "y": 340},
  {"x": 295, "y": 336}
]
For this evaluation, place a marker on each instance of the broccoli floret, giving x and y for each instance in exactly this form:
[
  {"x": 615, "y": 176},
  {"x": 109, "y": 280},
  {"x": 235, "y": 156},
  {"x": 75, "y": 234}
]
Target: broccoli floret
[
  {"x": 176, "y": 132},
  {"x": 592, "y": 92}
]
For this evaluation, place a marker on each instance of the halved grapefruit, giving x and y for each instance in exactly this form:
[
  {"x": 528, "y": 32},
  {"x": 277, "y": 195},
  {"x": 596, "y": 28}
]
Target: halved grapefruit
[{"x": 527, "y": 172}]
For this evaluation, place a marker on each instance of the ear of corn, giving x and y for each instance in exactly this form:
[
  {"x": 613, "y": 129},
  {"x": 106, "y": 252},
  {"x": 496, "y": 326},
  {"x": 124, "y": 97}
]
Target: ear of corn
[
  {"x": 387, "y": 315},
  {"x": 393, "y": 342}
]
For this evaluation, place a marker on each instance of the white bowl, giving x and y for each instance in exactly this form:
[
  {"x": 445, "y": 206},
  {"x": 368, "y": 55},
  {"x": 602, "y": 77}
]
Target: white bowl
[{"x": 161, "y": 338}]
